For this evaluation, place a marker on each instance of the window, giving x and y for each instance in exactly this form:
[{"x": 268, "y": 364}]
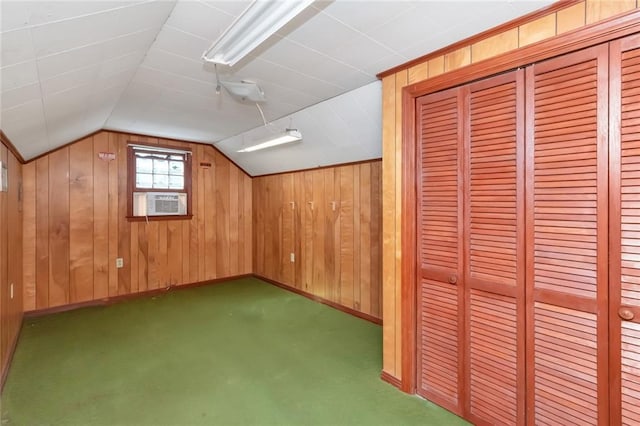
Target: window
[{"x": 159, "y": 181}]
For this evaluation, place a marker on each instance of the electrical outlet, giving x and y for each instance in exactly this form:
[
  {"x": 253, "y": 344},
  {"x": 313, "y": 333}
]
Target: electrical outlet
[
  {"x": 11, "y": 291},
  {"x": 119, "y": 262},
  {"x": 292, "y": 257}
]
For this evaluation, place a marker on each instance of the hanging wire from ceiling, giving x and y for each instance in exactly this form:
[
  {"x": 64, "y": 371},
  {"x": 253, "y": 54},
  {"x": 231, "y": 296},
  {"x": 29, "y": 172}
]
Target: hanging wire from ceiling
[
  {"x": 268, "y": 125},
  {"x": 218, "y": 86},
  {"x": 264, "y": 120}
]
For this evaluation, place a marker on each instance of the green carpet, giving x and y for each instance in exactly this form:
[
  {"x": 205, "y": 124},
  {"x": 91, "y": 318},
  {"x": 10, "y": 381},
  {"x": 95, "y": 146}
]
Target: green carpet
[{"x": 239, "y": 353}]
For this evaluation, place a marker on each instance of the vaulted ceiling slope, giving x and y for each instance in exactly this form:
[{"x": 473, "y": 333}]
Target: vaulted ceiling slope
[{"x": 69, "y": 68}]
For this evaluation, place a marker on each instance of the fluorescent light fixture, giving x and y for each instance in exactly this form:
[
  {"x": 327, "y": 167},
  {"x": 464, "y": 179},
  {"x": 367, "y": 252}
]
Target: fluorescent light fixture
[
  {"x": 290, "y": 135},
  {"x": 256, "y": 24}
]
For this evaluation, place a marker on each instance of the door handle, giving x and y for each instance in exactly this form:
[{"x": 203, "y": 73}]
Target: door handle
[
  {"x": 453, "y": 279},
  {"x": 625, "y": 314}
]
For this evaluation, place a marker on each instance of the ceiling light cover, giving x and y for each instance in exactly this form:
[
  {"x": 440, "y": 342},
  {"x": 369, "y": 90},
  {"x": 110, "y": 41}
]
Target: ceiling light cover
[
  {"x": 256, "y": 24},
  {"x": 245, "y": 90},
  {"x": 290, "y": 135}
]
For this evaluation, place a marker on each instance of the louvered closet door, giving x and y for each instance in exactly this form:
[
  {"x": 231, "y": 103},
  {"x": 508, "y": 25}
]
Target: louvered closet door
[
  {"x": 494, "y": 276},
  {"x": 567, "y": 239},
  {"x": 625, "y": 231},
  {"x": 439, "y": 307}
]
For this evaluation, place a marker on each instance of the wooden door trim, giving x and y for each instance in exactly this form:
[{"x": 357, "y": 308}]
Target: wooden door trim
[
  {"x": 616, "y": 50},
  {"x": 464, "y": 219},
  {"x": 521, "y": 249},
  {"x": 602, "y": 297},
  {"x": 409, "y": 247},
  {"x": 583, "y": 38},
  {"x": 529, "y": 363},
  {"x": 615, "y": 364}
]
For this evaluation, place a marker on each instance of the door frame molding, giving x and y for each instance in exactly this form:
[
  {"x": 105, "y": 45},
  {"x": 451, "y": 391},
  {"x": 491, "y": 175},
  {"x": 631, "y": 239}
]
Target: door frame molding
[{"x": 591, "y": 35}]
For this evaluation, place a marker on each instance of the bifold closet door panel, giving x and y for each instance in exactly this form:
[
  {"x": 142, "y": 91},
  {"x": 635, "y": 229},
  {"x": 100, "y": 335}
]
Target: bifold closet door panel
[
  {"x": 625, "y": 231},
  {"x": 567, "y": 239},
  {"x": 494, "y": 254},
  {"x": 440, "y": 314}
]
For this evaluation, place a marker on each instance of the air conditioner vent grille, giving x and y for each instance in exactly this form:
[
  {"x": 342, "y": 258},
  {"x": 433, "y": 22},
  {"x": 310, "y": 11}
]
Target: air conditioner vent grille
[
  {"x": 159, "y": 204},
  {"x": 167, "y": 204}
]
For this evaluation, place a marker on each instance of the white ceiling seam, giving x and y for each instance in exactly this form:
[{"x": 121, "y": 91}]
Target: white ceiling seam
[
  {"x": 363, "y": 34},
  {"x": 54, "y": 21},
  {"x": 103, "y": 66},
  {"x": 327, "y": 56},
  {"x": 135, "y": 67},
  {"x": 305, "y": 74},
  {"x": 325, "y": 137},
  {"x": 42, "y": 99},
  {"x": 139, "y": 64}
]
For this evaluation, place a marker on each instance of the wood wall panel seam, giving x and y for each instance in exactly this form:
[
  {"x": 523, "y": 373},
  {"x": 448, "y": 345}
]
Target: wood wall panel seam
[
  {"x": 388, "y": 222},
  {"x": 145, "y": 248},
  {"x": 313, "y": 215},
  {"x": 315, "y": 298},
  {"x": 110, "y": 300},
  {"x": 11, "y": 147},
  {"x": 12, "y": 276},
  {"x": 401, "y": 81},
  {"x": 548, "y": 306},
  {"x": 576, "y": 38},
  {"x": 331, "y": 166},
  {"x": 611, "y": 28},
  {"x": 515, "y": 23}
]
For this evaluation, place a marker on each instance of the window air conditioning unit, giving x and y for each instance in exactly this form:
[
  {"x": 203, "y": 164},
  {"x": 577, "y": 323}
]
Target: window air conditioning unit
[{"x": 159, "y": 204}]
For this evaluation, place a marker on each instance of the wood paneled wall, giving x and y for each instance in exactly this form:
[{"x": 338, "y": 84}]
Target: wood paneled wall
[
  {"x": 576, "y": 15},
  {"x": 10, "y": 259},
  {"x": 75, "y": 225},
  {"x": 330, "y": 219}
]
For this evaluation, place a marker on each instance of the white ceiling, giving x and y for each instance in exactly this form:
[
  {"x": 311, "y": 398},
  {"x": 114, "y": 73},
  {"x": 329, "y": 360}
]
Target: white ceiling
[{"x": 69, "y": 68}]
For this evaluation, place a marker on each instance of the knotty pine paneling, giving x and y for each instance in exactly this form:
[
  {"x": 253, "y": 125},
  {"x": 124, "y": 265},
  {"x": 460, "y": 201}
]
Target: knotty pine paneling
[
  {"x": 597, "y": 10},
  {"x": 75, "y": 226},
  {"x": 11, "y": 207},
  {"x": 330, "y": 220},
  {"x": 436, "y": 66},
  {"x": 493, "y": 46},
  {"x": 457, "y": 59},
  {"x": 570, "y": 18},
  {"x": 419, "y": 72},
  {"x": 566, "y": 19},
  {"x": 537, "y": 30}
]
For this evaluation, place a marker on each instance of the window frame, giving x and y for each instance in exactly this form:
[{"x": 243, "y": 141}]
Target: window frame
[{"x": 131, "y": 179}]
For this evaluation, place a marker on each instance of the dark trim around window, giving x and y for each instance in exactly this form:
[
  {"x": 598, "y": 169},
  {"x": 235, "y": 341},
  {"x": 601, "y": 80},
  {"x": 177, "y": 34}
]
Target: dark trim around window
[{"x": 131, "y": 181}]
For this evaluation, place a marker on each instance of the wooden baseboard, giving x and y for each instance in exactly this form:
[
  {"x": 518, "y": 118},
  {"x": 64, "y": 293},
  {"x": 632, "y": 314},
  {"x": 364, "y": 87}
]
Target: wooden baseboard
[
  {"x": 12, "y": 350},
  {"x": 322, "y": 300},
  {"x": 392, "y": 380},
  {"x": 116, "y": 299}
]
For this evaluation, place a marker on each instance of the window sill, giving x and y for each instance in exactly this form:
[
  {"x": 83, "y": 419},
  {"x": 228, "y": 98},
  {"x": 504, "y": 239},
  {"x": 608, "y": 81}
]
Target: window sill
[{"x": 156, "y": 218}]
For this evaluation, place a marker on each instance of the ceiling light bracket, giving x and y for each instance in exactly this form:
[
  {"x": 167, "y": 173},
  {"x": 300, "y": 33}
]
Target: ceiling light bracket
[{"x": 254, "y": 26}]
